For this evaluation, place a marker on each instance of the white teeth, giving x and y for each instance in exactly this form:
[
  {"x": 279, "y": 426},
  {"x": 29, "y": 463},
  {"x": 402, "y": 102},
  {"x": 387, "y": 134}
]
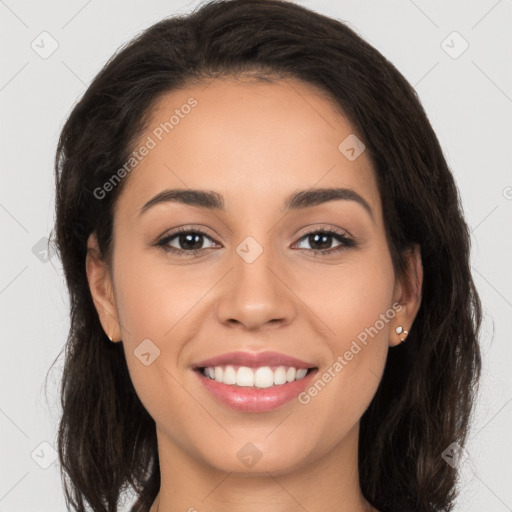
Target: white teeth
[
  {"x": 262, "y": 377},
  {"x": 301, "y": 373},
  {"x": 280, "y": 375},
  {"x": 229, "y": 375},
  {"x": 244, "y": 377}
]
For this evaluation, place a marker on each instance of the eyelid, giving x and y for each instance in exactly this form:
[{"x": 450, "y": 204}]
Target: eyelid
[
  {"x": 195, "y": 228},
  {"x": 328, "y": 228},
  {"x": 200, "y": 229}
]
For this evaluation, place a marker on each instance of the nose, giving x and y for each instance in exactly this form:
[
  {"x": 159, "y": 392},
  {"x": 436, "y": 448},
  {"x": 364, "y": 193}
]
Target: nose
[{"x": 256, "y": 294}]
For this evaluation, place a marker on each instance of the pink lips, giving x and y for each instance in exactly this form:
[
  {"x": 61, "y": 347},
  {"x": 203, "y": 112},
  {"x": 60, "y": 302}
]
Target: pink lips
[
  {"x": 253, "y": 360},
  {"x": 252, "y": 399},
  {"x": 248, "y": 399}
]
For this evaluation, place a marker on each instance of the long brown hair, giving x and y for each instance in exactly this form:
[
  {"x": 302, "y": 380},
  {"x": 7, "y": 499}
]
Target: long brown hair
[{"x": 106, "y": 439}]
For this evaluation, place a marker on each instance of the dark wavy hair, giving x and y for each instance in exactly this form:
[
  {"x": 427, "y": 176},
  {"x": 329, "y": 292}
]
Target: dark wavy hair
[{"x": 424, "y": 403}]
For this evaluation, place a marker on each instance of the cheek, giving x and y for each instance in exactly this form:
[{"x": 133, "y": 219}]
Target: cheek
[
  {"x": 351, "y": 297},
  {"x": 355, "y": 302},
  {"x": 152, "y": 305},
  {"x": 152, "y": 297},
  {"x": 362, "y": 322}
]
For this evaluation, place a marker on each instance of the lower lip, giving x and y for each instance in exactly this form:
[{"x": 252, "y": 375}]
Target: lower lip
[{"x": 251, "y": 399}]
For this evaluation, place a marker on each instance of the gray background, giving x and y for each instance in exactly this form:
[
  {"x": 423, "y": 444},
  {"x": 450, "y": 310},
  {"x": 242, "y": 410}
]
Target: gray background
[{"x": 468, "y": 98}]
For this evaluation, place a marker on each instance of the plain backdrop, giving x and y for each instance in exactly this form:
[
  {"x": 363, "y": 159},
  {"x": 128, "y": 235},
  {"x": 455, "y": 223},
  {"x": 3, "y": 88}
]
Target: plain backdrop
[{"x": 457, "y": 55}]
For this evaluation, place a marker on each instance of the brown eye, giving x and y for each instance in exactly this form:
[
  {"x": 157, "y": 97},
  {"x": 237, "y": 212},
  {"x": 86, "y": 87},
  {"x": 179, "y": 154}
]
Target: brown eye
[
  {"x": 189, "y": 241},
  {"x": 320, "y": 241}
]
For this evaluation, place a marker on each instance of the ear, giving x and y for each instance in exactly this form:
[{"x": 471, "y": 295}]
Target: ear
[
  {"x": 102, "y": 291},
  {"x": 407, "y": 293}
]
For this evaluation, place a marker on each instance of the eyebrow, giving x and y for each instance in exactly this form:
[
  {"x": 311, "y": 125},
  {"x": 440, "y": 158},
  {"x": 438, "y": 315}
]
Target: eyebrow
[{"x": 297, "y": 201}]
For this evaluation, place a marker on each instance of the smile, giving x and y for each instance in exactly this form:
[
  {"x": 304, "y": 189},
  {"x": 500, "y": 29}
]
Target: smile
[
  {"x": 262, "y": 377},
  {"x": 249, "y": 397}
]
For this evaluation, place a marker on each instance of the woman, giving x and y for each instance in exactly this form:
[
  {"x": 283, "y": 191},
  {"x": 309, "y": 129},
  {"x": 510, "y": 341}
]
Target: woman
[{"x": 271, "y": 299}]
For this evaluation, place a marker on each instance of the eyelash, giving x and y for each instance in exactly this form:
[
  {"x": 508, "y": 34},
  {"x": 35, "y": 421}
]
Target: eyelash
[{"x": 346, "y": 242}]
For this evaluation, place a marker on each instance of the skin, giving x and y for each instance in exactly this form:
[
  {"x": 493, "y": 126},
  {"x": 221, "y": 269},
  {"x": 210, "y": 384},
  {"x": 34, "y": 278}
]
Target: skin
[{"x": 255, "y": 143}]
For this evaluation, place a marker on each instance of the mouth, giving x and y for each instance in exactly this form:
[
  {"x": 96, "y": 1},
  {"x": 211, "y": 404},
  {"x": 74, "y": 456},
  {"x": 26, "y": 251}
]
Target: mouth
[{"x": 254, "y": 390}]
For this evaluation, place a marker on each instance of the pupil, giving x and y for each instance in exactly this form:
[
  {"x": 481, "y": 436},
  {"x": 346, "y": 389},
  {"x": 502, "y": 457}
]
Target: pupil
[
  {"x": 185, "y": 241},
  {"x": 318, "y": 236}
]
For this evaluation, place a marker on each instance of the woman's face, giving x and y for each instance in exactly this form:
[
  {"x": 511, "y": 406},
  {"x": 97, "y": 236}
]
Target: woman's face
[{"x": 258, "y": 281}]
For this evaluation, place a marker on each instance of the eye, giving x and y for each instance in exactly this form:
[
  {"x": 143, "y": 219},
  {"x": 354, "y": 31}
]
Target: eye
[
  {"x": 322, "y": 239},
  {"x": 190, "y": 240}
]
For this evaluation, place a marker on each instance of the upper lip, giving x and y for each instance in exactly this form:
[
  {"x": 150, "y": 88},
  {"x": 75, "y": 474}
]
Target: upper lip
[{"x": 253, "y": 360}]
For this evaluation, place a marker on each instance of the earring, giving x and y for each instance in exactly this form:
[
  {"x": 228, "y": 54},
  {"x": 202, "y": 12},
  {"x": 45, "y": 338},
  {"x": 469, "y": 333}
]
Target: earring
[
  {"x": 400, "y": 330},
  {"x": 109, "y": 337}
]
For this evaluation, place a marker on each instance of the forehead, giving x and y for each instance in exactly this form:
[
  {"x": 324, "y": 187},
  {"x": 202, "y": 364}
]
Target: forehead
[{"x": 251, "y": 139}]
